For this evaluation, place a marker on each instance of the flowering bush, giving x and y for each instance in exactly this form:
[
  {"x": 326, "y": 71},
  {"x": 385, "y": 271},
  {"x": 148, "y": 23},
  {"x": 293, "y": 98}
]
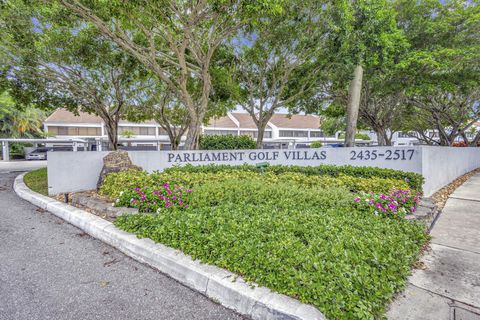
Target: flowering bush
[
  {"x": 397, "y": 203},
  {"x": 460, "y": 144},
  {"x": 149, "y": 199}
]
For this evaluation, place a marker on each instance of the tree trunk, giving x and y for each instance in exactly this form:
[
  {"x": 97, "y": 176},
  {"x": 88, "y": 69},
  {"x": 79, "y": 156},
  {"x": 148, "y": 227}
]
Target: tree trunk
[
  {"x": 464, "y": 137},
  {"x": 260, "y": 135},
  {"x": 388, "y": 140},
  {"x": 173, "y": 140},
  {"x": 176, "y": 142},
  {"x": 475, "y": 140},
  {"x": 193, "y": 135},
  {"x": 381, "y": 137},
  {"x": 354, "y": 94},
  {"x": 111, "y": 125}
]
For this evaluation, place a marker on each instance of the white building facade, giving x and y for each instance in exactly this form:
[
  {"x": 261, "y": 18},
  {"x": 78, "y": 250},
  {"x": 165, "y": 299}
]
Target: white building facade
[{"x": 282, "y": 131}]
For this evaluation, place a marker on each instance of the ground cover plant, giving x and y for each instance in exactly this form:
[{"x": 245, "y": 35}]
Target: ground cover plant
[
  {"x": 313, "y": 237},
  {"x": 37, "y": 180}
]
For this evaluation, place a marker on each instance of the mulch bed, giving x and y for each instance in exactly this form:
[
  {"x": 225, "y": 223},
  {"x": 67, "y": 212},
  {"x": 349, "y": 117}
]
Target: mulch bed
[{"x": 441, "y": 196}]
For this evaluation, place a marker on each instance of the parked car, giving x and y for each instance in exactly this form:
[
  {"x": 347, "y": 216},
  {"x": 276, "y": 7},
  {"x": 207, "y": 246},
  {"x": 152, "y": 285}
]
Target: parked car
[{"x": 38, "y": 154}]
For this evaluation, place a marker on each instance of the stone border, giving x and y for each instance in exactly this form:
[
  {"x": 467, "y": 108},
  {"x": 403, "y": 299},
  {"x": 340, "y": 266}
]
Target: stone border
[
  {"x": 426, "y": 213},
  {"x": 218, "y": 284},
  {"x": 98, "y": 207}
]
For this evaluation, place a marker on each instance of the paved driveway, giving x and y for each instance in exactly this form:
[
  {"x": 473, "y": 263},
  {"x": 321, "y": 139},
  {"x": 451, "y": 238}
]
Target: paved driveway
[
  {"x": 21, "y": 165},
  {"x": 52, "y": 270}
]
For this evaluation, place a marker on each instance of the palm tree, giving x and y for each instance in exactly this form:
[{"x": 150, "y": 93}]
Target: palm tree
[{"x": 19, "y": 122}]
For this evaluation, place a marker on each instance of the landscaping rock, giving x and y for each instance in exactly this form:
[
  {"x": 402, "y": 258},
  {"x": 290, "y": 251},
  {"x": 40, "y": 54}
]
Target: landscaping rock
[
  {"x": 426, "y": 212},
  {"x": 423, "y": 213},
  {"x": 428, "y": 203},
  {"x": 99, "y": 207},
  {"x": 116, "y": 161}
]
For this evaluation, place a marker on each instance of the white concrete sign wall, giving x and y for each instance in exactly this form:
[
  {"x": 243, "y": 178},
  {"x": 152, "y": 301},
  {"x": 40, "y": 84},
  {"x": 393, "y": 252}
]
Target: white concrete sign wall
[
  {"x": 71, "y": 171},
  {"x": 407, "y": 159},
  {"x": 442, "y": 165}
]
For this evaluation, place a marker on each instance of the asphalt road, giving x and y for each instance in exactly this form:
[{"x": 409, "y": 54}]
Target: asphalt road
[{"x": 52, "y": 270}]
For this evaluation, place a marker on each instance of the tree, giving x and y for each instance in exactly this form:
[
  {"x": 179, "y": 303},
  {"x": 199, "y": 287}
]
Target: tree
[
  {"x": 383, "y": 103},
  {"x": 450, "y": 113},
  {"x": 174, "y": 40},
  {"x": 19, "y": 121},
  {"x": 279, "y": 65},
  {"x": 168, "y": 112},
  {"x": 442, "y": 69},
  {"x": 56, "y": 60},
  {"x": 365, "y": 40},
  {"x": 172, "y": 115}
]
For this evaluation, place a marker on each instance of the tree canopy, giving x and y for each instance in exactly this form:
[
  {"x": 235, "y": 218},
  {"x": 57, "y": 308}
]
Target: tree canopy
[{"x": 401, "y": 65}]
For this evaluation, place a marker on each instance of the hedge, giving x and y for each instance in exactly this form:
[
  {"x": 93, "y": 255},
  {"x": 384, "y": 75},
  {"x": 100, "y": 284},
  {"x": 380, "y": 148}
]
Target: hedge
[
  {"x": 123, "y": 181},
  {"x": 226, "y": 142},
  {"x": 414, "y": 180},
  {"x": 316, "y": 144}
]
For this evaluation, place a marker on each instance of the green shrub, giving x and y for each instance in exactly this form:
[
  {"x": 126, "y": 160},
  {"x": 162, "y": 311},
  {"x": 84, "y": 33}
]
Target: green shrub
[
  {"x": 125, "y": 181},
  {"x": 362, "y": 136},
  {"x": 316, "y": 144},
  {"x": 117, "y": 182},
  {"x": 414, "y": 180},
  {"x": 226, "y": 142},
  {"x": 296, "y": 230},
  {"x": 37, "y": 180},
  {"x": 259, "y": 192},
  {"x": 306, "y": 242}
]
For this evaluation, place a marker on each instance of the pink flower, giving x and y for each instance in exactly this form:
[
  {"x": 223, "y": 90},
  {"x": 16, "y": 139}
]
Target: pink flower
[{"x": 357, "y": 200}]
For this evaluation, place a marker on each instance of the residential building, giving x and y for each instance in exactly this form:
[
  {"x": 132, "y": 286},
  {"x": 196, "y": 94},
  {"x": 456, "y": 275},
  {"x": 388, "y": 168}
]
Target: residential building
[{"x": 282, "y": 131}]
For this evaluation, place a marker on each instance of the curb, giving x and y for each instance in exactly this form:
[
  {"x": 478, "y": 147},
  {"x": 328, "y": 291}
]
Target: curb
[{"x": 218, "y": 284}]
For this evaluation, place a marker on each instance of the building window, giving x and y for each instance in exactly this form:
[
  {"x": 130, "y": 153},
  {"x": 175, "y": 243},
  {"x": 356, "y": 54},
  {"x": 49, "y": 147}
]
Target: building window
[
  {"x": 137, "y": 131},
  {"x": 254, "y": 134},
  {"x": 405, "y": 135},
  {"x": 316, "y": 134},
  {"x": 75, "y": 131},
  {"x": 220, "y": 132},
  {"x": 147, "y": 131},
  {"x": 293, "y": 134}
]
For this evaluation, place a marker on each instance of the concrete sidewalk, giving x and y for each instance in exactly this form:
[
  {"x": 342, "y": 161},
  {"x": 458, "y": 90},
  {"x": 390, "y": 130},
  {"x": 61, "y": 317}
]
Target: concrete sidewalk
[{"x": 448, "y": 288}]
